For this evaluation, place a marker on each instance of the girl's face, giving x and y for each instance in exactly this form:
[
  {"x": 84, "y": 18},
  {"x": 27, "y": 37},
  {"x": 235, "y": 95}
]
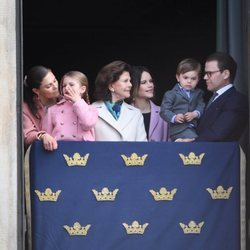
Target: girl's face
[
  {"x": 188, "y": 80},
  {"x": 146, "y": 88},
  {"x": 73, "y": 84},
  {"x": 48, "y": 88},
  {"x": 120, "y": 89}
]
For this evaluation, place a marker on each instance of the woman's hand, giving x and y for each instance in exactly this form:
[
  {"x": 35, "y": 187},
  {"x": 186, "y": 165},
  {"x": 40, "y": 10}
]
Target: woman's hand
[{"x": 49, "y": 142}]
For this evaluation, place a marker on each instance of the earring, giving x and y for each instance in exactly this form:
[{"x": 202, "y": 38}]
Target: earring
[{"x": 112, "y": 90}]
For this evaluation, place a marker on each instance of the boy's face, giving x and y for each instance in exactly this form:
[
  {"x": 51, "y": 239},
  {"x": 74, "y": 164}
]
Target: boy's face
[{"x": 188, "y": 80}]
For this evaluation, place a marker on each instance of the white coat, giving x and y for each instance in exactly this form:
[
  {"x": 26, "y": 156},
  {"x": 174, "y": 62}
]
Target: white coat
[{"x": 129, "y": 126}]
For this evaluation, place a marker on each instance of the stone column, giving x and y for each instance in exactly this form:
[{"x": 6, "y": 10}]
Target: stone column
[{"x": 10, "y": 139}]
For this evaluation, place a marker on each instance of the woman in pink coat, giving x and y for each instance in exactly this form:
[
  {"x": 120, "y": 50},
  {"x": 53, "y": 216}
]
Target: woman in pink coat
[
  {"x": 40, "y": 91},
  {"x": 72, "y": 118},
  {"x": 142, "y": 93}
]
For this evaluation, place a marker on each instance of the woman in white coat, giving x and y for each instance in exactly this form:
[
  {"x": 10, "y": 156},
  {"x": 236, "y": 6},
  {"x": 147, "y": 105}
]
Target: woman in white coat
[{"x": 117, "y": 120}]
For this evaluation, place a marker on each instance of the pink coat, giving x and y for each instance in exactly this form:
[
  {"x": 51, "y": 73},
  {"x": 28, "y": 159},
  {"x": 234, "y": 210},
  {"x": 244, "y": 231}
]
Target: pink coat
[
  {"x": 31, "y": 124},
  {"x": 71, "y": 122},
  {"x": 158, "y": 128}
]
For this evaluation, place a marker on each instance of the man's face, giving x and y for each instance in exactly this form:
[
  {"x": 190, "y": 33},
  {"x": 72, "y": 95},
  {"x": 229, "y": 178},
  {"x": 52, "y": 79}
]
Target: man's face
[{"x": 215, "y": 79}]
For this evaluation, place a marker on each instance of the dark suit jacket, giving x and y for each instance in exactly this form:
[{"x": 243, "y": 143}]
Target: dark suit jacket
[
  {"x": 175, "y": 102},
  {"x": 225, "y": 119}
]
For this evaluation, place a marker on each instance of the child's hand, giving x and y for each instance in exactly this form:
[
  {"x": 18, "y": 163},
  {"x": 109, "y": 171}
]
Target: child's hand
[
  {"x": 189, "y": 116},
  {"x": 179, "y": 118},
  {"x": 184, "y": 139},
  {"x": 72, "y": 95}
]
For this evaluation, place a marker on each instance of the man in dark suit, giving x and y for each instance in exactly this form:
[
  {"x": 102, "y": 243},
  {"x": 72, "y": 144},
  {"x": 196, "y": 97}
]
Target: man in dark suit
[{"x": 226, "y": 116}]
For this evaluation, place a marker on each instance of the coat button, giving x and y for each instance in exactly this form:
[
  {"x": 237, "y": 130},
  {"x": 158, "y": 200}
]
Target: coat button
[
  {"x": 74, "y": 123},
  {"x": 62, "y": 111},
  {"x": 62, "y": 123},
  {"x": 74, "y": 136},
  {"x": 62, "y": 136}
]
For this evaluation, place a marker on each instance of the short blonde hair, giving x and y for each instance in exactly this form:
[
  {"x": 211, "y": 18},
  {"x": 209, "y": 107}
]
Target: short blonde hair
[{"x": 83, "y": 80}]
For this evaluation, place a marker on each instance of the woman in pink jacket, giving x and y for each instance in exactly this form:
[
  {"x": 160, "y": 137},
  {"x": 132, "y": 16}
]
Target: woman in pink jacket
[
  {"x": 40, "y": 91},
  {"x": 72, "y": 118}
]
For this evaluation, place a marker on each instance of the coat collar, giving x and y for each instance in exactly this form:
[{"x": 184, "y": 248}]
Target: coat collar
[
  {"x": 154, "y": 120},
  {"x": 127, "y": 114}
]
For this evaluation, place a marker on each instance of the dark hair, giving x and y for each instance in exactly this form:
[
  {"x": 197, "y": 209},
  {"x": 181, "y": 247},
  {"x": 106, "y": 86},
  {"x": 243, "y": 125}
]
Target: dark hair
[
  {"x": 107, "y": 75},
  {"x": 135, "y": 74},
  {"x": 188, "y": 64},
  {"x": 225, "y": 61},
  {"x": 83, "y": 80},
  {"x": 33, "y": 79}
]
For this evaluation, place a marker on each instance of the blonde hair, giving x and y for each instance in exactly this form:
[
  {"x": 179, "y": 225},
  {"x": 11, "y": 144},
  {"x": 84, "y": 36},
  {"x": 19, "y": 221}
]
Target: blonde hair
[{"x": 83, "y": 80}]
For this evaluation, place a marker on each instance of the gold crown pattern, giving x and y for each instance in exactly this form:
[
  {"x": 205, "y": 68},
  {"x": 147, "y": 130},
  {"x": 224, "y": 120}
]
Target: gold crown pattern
[
  {"x": 192, "y": 159},
  {"x": 134, "y": 159},
  {"x": 163, "y": 194},
  {"x": 76, "y": 160},
  {"x": 220, "y": 193},
  {"x": 192, "y": 227},
  {"x": 105, "y": 194},
  {"x": 135, "y": 227},
  {"x": 48, "y": 195},
  {"x": 77, "y": 229}
]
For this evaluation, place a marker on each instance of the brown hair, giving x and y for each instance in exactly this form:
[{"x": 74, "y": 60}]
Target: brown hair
[
  {"x": 108, "y": 74},
  {"x": 225, "y": 61},
  {"x": 188, "y": 64},
  {"x": 33, "y": 79}
]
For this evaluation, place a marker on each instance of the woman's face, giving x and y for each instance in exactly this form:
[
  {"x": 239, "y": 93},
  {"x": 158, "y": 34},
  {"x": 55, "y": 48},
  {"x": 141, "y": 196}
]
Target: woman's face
[
  {"x": 48, "y": 88},
  {"x": 120, "y": 89},
  {"x": 146, "y": 87}
]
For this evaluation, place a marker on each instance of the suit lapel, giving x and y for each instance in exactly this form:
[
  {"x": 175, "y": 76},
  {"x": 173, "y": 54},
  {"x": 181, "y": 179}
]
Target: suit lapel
[
  {"x": 181, "y": 92},
  {"x": 217, "y": 102}
]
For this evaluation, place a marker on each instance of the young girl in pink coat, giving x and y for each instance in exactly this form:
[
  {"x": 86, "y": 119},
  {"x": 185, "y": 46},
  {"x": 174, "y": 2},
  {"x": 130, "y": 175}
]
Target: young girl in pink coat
[{"x": 72, "y": 118}]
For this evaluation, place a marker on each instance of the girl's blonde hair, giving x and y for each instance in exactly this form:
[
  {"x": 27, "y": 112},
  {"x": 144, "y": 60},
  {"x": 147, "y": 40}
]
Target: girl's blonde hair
[{"x": 83, "y": 80}]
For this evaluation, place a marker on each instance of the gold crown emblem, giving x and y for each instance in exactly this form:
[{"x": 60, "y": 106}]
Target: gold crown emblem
[
  {"x": 76, "y": 160},
  {"x": 48, "y": 195},
  {"x": 105, "y": 194},
  {"x": 77, "y": 229},
  {"x": 192, "y": 227},
  {"x": 192, "y": 159},
  {"x": 134, "y": 159},
  {"x": 135, "y": 227},
  {"x": 220, "y": 193},
  {"x": 163, "y": 194}
]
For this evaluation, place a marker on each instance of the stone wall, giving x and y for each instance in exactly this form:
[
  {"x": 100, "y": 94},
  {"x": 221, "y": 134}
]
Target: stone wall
[{"x": 8, "y": 127}]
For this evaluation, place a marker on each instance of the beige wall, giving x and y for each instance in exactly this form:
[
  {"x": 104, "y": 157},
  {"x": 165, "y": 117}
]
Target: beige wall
[{"x": 8, "y": 127}]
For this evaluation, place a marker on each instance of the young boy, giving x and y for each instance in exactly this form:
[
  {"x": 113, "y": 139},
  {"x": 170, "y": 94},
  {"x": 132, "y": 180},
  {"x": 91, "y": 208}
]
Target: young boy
[{"x": 182, "y": 106}]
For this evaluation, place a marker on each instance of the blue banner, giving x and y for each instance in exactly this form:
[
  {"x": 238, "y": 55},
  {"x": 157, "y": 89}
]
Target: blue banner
[{"x": 135, "y": 195}]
